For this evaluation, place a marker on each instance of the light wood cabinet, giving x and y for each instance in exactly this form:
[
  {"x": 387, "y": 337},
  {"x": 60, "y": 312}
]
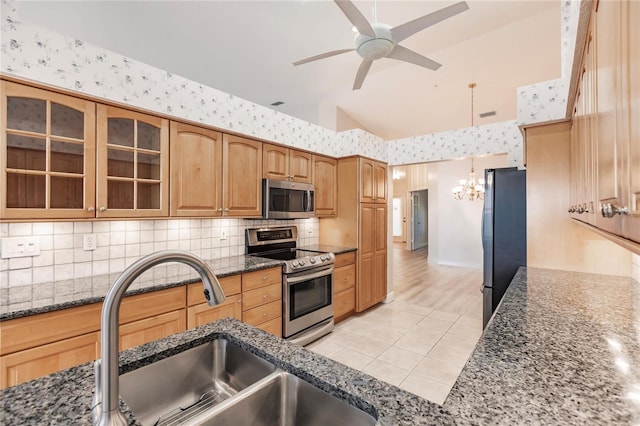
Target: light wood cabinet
[
  {"x": 361, "y": 225},
  {"x": 373, "y": 181},
  {"x": 344, "y": 286},
  {"x": 605, "y": 135},
  {"x": 286, "y": 164},
  {"x": 47, "y": 154},
  {"x": 20, "y": 367},
  {"x": 325, "y": 180},
  {"x": 196, "y": 171},
  {"x": 203, "y": 313},
  {"x": 241, "y": 177},
  {"x": 262, "y": 299},
  {"x": 149, "y": 329},
  {"x": 132, "y": 164}
]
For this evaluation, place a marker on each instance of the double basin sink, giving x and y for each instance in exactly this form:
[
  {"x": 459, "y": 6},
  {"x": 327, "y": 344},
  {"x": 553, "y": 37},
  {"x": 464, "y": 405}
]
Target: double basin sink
[{"x": 219, "y": 383}]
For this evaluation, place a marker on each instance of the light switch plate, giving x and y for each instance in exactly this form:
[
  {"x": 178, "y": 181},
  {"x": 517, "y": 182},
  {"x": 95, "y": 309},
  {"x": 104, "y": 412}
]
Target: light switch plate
[{"x": 19, "y": 247}]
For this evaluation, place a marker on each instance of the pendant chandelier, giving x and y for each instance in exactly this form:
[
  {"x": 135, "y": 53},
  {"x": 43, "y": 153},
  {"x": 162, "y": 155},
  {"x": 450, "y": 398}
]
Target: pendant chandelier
[{"x": 471, "y": 187}]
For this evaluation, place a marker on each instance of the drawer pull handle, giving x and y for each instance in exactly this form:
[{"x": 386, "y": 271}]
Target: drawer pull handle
[
  {"x": 265, "y": 314},
  {"x": 265, "y": 277},
  {"x": 264, "y": 296}
]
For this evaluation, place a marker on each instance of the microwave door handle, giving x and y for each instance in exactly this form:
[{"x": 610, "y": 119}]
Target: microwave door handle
[
  {"x": 322, "y": 273},
  {"x": 308, "y": 195}
]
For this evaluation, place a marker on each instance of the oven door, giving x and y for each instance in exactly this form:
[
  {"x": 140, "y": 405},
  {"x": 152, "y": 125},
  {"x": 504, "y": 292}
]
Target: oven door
[{"x": 308, "y": 299}]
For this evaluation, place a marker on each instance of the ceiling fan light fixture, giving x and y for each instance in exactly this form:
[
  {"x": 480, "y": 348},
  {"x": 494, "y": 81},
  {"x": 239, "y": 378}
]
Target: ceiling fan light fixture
[{"x": 372, "y": 48}]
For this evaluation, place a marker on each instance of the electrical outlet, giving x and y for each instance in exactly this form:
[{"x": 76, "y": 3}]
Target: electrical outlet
[
  {"x": 19, "y": 247},
  {"x": 89, "y": 242},
  {"x": 223, "y": 234}
]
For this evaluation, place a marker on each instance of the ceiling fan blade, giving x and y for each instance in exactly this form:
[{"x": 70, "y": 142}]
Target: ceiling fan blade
[
  {"x": 408, "y": 29},
  {"x": 362, "y": 73},
  {"x": 403, "y": 54},
  {"x": 321, "y": 56},
  {"x": 356, "y": 17}
]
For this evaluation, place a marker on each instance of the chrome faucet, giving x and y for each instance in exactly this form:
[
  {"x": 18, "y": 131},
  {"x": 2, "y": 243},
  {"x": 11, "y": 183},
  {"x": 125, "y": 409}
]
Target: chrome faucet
[{"x": 106, "y": 368}]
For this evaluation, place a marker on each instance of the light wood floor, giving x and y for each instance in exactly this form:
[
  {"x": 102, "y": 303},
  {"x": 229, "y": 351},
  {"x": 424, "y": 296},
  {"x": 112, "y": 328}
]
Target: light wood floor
[{"x": 423, "y": 338}]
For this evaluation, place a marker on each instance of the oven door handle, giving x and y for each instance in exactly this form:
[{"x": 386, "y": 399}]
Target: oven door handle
[{"x": 297, "y": 280}]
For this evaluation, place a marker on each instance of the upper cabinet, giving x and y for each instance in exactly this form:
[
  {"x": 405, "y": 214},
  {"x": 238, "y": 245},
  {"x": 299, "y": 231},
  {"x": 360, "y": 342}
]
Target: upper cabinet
[
  {"x": 286, "y": 164},
  {"x": 196, "y": 171},
  {"x": 373, "y": 181},
  {"x": 133, "y": 164},
  {"x": 241, "y": 177},
  {"x": 325, "y": 180},
  {"x": 47, "y": 158},
  {"x": 605, "y": 151}
]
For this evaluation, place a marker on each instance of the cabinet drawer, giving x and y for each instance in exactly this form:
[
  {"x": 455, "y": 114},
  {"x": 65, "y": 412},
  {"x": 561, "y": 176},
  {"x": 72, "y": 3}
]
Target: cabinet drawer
[
  {"x": 256, "y": 279},
  {"x": 344, "y": 278},
  {"x": 231, "y": 285},
  {"x": 37, "y": 362},
  {"x": 274, "y": 326},
  {"x": 344, "y": 302},
  {"x": 203, "y": 314},
  {"x": 263, "y": 313},
  {"x": 36, "y": 330},
  {"x": 149, "y": 329},
  {"x": 260, "y": 296},
  {"x": 345, "y": 259},
  {"x": 153, "y": 303}
]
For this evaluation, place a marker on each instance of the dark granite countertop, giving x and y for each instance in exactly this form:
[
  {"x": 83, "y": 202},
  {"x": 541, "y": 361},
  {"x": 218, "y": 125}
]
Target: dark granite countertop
[
  {"x": 48, "y": 297},
  {"x": 65, "y": 397},
  {"x": 329, "y": 248},
  {"x": 563, "y": 348}
]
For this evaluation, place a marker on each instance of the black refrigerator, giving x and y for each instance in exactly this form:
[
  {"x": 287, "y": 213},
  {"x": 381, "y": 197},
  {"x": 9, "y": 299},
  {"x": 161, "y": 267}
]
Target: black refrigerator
[{"x": 504, "y": 233}]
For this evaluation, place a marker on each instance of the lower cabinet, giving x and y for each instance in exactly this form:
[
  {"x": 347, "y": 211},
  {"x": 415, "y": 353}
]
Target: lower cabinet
[
  {"x": 29, "y": 364},
  {"x": 200, "y": 313},
  {"x": 262, "y": 300},
  {"x": 149, "y": 329},
  {"x": 344, "y": 286}
]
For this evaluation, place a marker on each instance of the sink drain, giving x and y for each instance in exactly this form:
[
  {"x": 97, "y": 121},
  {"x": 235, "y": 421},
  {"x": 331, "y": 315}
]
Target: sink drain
[{"x": 182, "y": 415}]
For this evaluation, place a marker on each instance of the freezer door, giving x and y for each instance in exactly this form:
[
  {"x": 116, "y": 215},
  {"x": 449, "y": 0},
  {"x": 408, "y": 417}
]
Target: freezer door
[{"x": 487, "y": 229}]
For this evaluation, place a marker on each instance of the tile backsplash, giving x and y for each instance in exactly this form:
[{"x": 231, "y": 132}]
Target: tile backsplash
[{"x": 120, "y": 243}]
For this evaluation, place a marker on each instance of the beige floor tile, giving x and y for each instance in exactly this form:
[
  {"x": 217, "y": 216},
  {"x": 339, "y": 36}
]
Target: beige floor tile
[
  {"x": 387, "y": 372},
  {"x": 465, "y": 332},
  {"x": 465, "y": 343},
  {"x": 421, "y": 347},
  {"x": 451, "y": 352},
  {"x": 435, "y": 323},
  {"x": 324, "y": 347},
  {"x": 351, "y": 358},
  {"x": 417, "y": 309},
  {"x": 401, "y": 357},
  {"x": 358, "y": 325},
  {"x": 429, "y": 389},
  {"x": 446, "y": 316},
  {"x": 441, "y": 371},
  {"x": 386, "y": 334},
  {"x": 342, "y": 337},
  {"x": 468, "y": 321},
  {"x": 401, "y": 320},
  {"x": 369, "y": 346}
]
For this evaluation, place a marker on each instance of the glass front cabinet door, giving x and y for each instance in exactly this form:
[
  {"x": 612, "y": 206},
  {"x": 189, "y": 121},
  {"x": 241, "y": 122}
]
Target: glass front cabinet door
[
  {"x": 47, "y": 156},
  {"x": 133, "y": 166}
]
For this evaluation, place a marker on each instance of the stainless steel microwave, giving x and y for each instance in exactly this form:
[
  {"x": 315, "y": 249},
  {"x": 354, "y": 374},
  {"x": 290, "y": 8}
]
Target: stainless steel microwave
[{"x": 287, "y": 200}]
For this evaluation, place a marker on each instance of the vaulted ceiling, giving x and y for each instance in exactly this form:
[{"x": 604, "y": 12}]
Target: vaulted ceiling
[{"x": 247, "y": 48}]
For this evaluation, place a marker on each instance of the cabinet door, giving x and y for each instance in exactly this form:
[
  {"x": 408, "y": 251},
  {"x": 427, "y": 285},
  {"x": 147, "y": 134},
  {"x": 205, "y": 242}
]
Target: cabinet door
[
  {"x": 47, "y": 154},
  {"x": 241, "y": 177},
  {"x": 380, "y": 182},
  {"x": 196, "y": 171},
  {"x": 300, "y": 166},
  {"x": 275, "y": 162},
  {"x": 149, "y": 329},
  {"x": 367, "y": 185},
  {"x": 325, "y": 179},
  {"x": 133, "y": 164},
  {"x": 30, "y": 364},
  {"x": 380, "y": 255},
  {"x": 366, "y": 251},
  {"x": 607, "y": 32},
  {"x": 631, "y": 223},
  {"x": 203, "y": 314}
]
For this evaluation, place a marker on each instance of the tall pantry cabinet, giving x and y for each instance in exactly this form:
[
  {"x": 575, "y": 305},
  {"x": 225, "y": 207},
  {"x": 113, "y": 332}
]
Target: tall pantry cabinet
[{"x": 362, "y": 223}]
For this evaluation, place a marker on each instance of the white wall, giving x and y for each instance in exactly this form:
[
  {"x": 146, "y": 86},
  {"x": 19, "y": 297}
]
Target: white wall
[{"x": 455, "y": 225}]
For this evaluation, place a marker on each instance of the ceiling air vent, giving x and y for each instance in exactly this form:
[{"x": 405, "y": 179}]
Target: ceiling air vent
[
  {"x": 278, "y": 103},
  {"x": 487, "y": 114}
]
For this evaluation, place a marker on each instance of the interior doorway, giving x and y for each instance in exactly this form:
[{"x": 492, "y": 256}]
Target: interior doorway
[
  {"x": 399, "y": 221},
  {"x": 419, "y": 219}
]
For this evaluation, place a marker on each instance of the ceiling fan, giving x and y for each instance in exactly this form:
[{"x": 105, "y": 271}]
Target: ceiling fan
[{"x": 377, "y": 40}]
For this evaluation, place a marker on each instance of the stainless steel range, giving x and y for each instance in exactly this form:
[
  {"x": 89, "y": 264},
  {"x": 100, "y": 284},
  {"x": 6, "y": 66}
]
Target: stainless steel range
[{"x": 307, "y": 282}]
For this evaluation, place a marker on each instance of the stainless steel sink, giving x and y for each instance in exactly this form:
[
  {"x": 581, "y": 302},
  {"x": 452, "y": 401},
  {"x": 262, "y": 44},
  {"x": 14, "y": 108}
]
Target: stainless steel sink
[
  {"x": 175, "y": 389},
  {"x": 283, "y": 399}
]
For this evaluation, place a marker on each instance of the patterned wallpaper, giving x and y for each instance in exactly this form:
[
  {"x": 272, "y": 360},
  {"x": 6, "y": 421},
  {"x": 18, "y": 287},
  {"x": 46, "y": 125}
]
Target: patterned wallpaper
[{"x": 504, "y": 137}]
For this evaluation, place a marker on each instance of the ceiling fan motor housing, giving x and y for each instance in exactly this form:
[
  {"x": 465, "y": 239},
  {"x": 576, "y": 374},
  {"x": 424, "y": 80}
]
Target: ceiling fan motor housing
[{"x": 377, "y": 47}]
